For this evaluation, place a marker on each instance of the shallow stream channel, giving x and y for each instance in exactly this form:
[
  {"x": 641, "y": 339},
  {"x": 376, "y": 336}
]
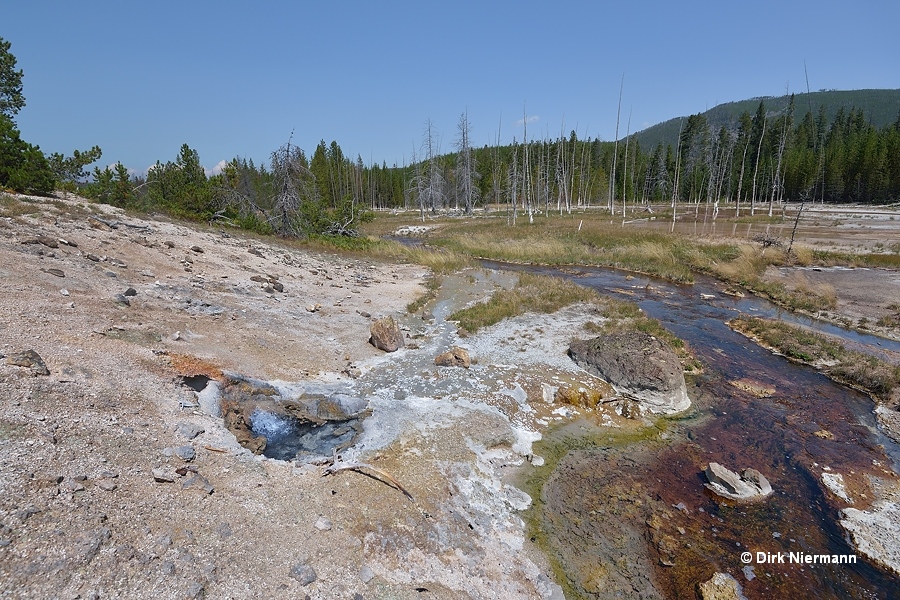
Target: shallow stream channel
[
  {"x": 617, "y": 505},
  {"x": 614, "y": 506}
]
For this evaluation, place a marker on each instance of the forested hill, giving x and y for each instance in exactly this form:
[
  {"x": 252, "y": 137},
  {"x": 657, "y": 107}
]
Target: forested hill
[{"x": 880, "y": 107}]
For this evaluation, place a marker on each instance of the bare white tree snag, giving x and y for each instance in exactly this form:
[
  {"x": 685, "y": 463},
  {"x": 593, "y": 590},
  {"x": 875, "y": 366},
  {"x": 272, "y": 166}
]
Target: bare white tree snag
[
  {"x": 777, "y": 184},
  {"x": 625, "y": 167},
  {"x": 513, "y": 179},
  {"x": 737, "y": 202},
  {"x": 497, "y": 176},
  {"x": 612, "y": 177},
  {"x": 465, "y": 165},
  {"x": 428, "y": 181},
  {"x": 677, "y": 181},
  {"x": 756, "y": 168},
  {"x": 527, "y": 198}
]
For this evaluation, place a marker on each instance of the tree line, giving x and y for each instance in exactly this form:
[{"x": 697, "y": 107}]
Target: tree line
[{"x": 754, "y": 163}]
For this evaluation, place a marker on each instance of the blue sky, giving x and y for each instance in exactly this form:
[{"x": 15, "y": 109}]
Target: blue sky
[{"x": 234, "y": 79}]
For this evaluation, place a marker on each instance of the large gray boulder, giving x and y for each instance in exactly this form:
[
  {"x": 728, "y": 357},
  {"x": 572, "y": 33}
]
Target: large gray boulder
[
  {"x": 386, "y": 334},
  {"x": 639, "y": 364}
]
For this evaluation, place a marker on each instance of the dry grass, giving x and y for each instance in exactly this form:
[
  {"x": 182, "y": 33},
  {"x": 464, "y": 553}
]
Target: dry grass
[
  {"x": 559, "y": 241},
  {"x": 10, "y": 206},
  {"x": 748, "y": 265},
  {"x": 594, "y": 239}
]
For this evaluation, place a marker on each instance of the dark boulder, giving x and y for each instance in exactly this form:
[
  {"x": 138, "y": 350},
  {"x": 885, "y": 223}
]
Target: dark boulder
[{"x": 637, "y": 363}]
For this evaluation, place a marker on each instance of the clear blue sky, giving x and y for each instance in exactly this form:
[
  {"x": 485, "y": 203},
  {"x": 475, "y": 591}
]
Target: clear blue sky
[{"x": 234, "y": 78}]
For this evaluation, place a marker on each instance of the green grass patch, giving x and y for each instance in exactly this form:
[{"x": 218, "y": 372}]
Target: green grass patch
[{"x": 532, "y": 293}]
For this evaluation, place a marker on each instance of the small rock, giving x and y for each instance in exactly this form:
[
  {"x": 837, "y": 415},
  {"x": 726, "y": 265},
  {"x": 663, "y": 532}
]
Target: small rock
[
  {"x": 366, "y": 574},
  {"x": 197, "y": 249},
  {"x": 303, "y": 573},
  {"x": 835, "y": 484},
  {"x": 364, "y": 314},
  {"x": 199, "y": 483},
  {"x": 47, "y": 241},
  {"x": 751, "y": 485},
  {"x": 323, "y": 524},
  {"x": 130, "y": 292},
  {"x": 278, "y": 286},
  {"x": 121, "y": 299},
  {"x": 107, "y": 485},
  {"x": 169, "y": 244},
  {"x": 185, "y": 453},
  {"x": 313, "y": 308},
  {"x": 70, "y": 485},
  {"x": 31, "y": 359},
  {"x": 64, "y": 292},
  {"x": 54, "y": 272},
  {"x": 455, "y": 357},
  {"x": 177, "y": 336},
  {"x": 190, "y": 430},
  {"x": 92, "y": 257},
  {"x": 163, "y": 476}
]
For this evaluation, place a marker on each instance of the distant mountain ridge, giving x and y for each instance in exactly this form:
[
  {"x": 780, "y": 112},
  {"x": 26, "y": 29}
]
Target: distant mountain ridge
[{"x": 881, "y": 107}]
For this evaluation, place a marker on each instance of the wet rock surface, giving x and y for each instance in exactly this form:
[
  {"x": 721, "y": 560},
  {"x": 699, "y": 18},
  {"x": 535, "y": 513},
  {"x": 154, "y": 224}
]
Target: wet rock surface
[
  {"x": 749, "y": 486},
  {"x": 303, "y": 421},
  {"x": 595, "y": 520},
  {"x": 721, "y": 586},
  {"x": 875, "y": 532}
]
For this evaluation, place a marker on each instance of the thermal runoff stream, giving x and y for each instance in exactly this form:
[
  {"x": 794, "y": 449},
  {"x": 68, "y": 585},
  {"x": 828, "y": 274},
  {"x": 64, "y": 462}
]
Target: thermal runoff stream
[{"x": 615, "y": 506}]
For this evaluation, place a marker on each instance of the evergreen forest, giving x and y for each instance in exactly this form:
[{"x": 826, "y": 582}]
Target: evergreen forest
[{"x": 752, "y": 159}]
